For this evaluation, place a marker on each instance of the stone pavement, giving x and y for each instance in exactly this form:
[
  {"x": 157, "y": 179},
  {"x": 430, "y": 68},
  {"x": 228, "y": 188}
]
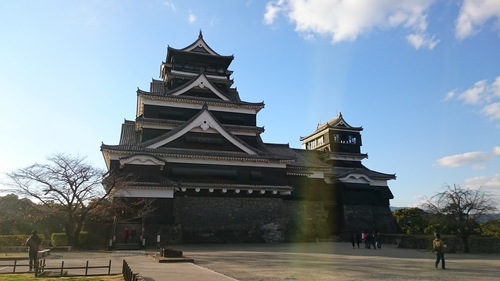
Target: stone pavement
[{"x": 295, "y": 261}]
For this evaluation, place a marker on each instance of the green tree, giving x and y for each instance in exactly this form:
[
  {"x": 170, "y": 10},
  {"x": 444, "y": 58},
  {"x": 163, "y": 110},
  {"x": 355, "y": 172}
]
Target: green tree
[
  {"x": 411, "y": 220},
  {"x": 17, "y": 215},
  {"x": 491, "y": 228},
  {"x": 460, "y": 209},
  {"x": 67, "y": 187}
]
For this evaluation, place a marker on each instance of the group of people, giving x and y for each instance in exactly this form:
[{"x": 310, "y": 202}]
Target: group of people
[
  {"x": 129, "y": 233},
  {"x": 370, "y": 240}
]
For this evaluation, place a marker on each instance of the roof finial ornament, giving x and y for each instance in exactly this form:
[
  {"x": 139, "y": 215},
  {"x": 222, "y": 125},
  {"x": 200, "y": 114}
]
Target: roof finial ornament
[{"x": 200, "y": 36}]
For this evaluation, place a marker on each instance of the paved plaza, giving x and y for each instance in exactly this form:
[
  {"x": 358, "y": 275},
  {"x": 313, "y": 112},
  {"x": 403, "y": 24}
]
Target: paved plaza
[
  {"x": 338, "y": 261},
  {"x": 295, "y": 261}
]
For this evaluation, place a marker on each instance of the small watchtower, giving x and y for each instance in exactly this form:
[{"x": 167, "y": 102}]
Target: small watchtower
[{"x": 336, "y": 136}]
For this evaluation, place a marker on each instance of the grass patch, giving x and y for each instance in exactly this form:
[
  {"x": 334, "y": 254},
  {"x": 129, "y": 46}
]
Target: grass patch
[{"x": 30, "y": 277}]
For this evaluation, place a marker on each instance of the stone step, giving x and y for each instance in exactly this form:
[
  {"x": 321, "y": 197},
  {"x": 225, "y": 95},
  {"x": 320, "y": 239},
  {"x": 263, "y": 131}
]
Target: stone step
[{"x": 127, "y": 246}]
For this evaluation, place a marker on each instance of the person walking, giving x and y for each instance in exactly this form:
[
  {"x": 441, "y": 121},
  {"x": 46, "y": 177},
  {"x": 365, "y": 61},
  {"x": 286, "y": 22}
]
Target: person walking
[
  {"x": 353, "y": 240},
  {"x": 378, "y": 241},
  {"x": 358, "y": 238},
  {"x": 33, "y": 242},
  {"x": 126, "y": 234},
  {"x": 438, "y": 248}
]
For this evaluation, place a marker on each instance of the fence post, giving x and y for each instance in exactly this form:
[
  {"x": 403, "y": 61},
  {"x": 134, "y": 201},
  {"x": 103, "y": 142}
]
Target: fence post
[
  {"x": 86, "y": 268},
  {"x": 109, "y": 268},
  {"x": 62, "y": 268},
  {"x": 15, "y": 263}
]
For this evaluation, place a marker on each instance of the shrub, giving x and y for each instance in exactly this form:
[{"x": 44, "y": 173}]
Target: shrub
[
  {"x": 16, "y": 240},
  {"x": 60, "y": 239}
]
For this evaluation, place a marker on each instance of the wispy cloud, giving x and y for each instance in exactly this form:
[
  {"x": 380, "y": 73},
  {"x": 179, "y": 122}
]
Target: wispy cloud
[
  {"x": 492, "y": 111},
  {"x": 191, "y": 17},
  {"x": 475, "y": 94},
  {"x": 170, "y": 4},
  {"x": 474, "y": 14},
  {"x": 346, "y": 20},
  {"x": 496, "y": 150},
  {"x": 486, "y": 182},
  {"x": 463, "y": 159},
  {"x": 421, "y": 40},
  {"x": 482, "y": 94}
]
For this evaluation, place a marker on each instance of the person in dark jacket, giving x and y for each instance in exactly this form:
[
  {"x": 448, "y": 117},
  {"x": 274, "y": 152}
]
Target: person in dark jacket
[
  {"x": 438, "y": 249},
  {"x": 33, "y": 243}
]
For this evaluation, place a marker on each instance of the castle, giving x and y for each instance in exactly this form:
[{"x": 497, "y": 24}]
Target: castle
[{"x": 196, "y": 151}]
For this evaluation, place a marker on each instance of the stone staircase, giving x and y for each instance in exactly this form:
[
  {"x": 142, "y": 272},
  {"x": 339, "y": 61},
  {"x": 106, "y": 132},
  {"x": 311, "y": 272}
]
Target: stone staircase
[
  {"x": 127, "y": 246},
  {"x": 132, "y": 242}
]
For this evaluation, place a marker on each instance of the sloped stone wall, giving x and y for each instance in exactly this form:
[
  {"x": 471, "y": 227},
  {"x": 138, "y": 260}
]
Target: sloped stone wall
[
  {"x": 221, "y": 220},
  {"x": 307, "y": 220},
  {"x": 224, "y": 220},
  {"x": 369, "y": 218}
]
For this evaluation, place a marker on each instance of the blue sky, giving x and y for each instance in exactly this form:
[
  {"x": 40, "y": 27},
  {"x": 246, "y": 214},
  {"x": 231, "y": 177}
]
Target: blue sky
[{"x": 422, "y": 77}]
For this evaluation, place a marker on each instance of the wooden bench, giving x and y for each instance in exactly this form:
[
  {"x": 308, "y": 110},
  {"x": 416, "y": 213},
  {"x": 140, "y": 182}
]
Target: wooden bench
[
  {"x": 43, "y": 253},
  {"x": 61, "y": 248}
]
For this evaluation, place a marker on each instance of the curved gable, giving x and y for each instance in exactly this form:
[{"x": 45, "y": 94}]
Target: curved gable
[
  {"x": 204, "y": 122},
  {"x": 202, "y": 82}
]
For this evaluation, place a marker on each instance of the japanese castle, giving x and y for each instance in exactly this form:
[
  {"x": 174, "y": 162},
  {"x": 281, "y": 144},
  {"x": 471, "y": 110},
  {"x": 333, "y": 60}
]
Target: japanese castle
[{"x": 195, "y": 150}]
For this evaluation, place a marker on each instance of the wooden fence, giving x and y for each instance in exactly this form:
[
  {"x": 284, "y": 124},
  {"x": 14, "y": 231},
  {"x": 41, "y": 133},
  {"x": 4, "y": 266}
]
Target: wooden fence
[
  {"x": 128, "y": 274},
  {"x": 41, "y": 267}
]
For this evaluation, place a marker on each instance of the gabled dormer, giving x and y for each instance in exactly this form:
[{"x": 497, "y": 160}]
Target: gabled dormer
[
  {"x": 338, "y": 137},
  {"x": 199, "y": 86},
  {"x": 202, "y": 132},
  {"x": 200, "y": 46},
  {"x": 195, "y": 58}
]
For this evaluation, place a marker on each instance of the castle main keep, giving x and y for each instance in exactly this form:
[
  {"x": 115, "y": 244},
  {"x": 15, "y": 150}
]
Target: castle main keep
[{"x": 195, "y": 151}]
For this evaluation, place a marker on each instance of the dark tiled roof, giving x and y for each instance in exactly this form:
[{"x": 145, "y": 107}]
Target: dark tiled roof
[
  {"x": 341, "y": 172},
  {"x": 190, "y": 83},
  {"x": 128, "y": 135},
  {"x": 236, "y": 102}
]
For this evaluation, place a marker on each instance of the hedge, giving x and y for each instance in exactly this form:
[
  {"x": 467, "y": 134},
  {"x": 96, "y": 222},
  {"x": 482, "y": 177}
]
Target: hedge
[
  {"x": 16, "y": 240},
  {"x": 60, "y": 239}
]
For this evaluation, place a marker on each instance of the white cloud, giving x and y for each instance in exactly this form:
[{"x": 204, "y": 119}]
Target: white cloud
[
  {"x": 495, "y": 87},
  {"x": 485, "y": 182},
  {"x": 459, "y": 160},
  {"x": 272, "y": 11},
  {"x": 474, "y": 94},
  {"x": 492, "y": 111},
  {"x": 422, "y": 40},
  {"x": 483, "y": 94},
  {"x": 346, "y": 20},
  {"x": 475, "y": 13},
  {"x": 192, "y": 17},
  {"x": 450, "y": 95},
  {"x": 170, "y": 4},
  {"x": 496, "y": 150}
]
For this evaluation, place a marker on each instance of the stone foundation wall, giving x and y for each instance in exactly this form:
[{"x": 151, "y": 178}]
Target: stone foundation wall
[
  {"x": 239, "y": 220},
  {"x": 368, "y": 218},
  {"x": 307, "y": 220},
  {"x": 222, "y": 220}
]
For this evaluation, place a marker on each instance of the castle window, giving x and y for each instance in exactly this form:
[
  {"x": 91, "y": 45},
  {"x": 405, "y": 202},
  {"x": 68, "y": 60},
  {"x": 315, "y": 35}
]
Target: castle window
[
  {"x": 345, "y": 139},
  {"x": 320, "y": 141}
]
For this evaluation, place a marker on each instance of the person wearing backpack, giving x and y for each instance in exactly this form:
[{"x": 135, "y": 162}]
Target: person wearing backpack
[
  {"x": 33, "y": 243},
  {"x": 438, "y": 249}
]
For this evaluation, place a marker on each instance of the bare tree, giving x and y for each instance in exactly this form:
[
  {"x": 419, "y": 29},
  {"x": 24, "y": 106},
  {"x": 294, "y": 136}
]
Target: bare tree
[
  {"x": 461, "y": 209},
  {"x": 67, "y": 185}
]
